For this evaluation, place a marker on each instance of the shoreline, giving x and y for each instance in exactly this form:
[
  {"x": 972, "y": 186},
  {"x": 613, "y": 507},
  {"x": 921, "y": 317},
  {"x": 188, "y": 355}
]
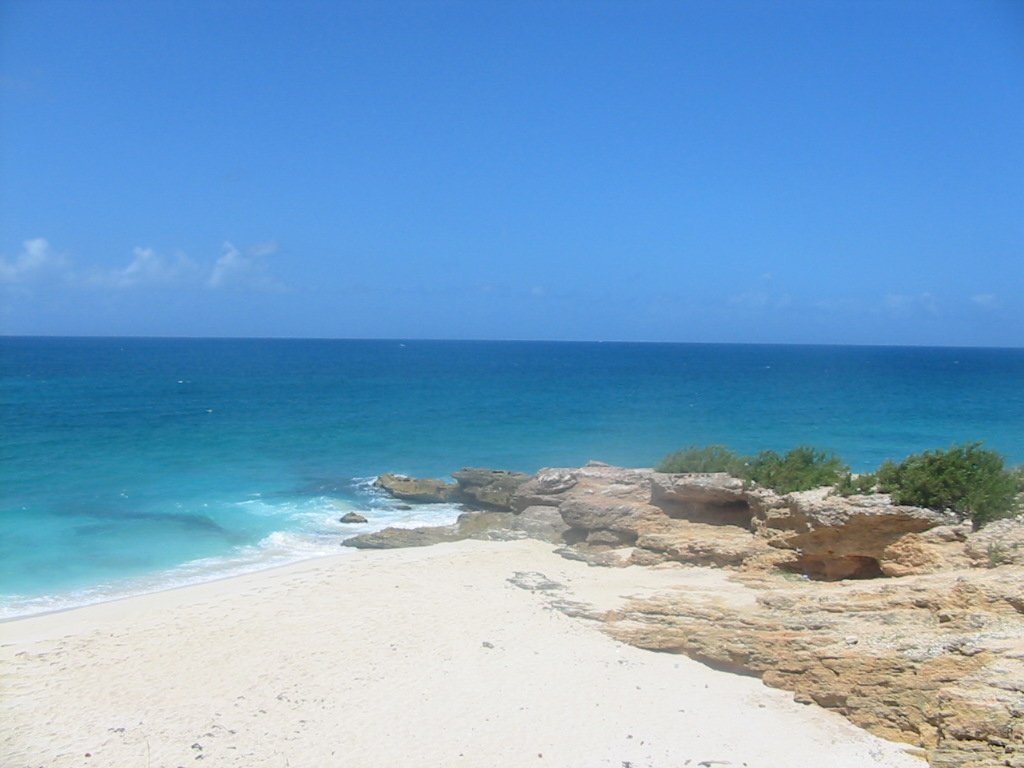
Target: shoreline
[
  {"x": 227, "y": 565},
  {"x": 380, "y": 658},
  {"x": 129, "y": 595},
  {"x": 171, "y": 588}
]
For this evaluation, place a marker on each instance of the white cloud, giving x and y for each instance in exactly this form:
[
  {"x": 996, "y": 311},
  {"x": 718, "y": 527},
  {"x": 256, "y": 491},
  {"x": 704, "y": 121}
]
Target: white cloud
[
  {"x": 147, "y": 267},
  {"x": 985, "y": 300},
  {"x": 247, "y": 269},
  {"x": 235, "y": 269},
  {"x": 904, "y": 303},
  {"x": 37, "y": 260}
]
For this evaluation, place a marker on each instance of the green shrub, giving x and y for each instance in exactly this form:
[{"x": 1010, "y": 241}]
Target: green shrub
[
  {"x": 887, "y": 476},
  {"x": 1018, "y": 477},
  {"x": 967, "y": 479},
  {"x": 801, "y": 469},
  {"x": 710, "y": 458},
  {"x": 857, "y": 484}
]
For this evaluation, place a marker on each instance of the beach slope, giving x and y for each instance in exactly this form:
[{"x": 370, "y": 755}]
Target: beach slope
[{"x": 441, "y": 656}]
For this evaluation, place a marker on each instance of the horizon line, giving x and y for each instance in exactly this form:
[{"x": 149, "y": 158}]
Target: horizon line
[{"x": 154, "y": 337}]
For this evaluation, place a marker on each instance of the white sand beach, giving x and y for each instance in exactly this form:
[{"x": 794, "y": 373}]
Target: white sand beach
[{"x": 416, "y": 657}]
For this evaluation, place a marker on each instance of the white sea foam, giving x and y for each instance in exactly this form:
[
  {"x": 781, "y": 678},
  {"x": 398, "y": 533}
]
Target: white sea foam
[{"x": 313, "y": 530}]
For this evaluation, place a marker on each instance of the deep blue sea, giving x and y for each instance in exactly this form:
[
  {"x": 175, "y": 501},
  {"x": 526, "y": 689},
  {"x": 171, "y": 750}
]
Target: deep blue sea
[{"x": 130, "y": 465}]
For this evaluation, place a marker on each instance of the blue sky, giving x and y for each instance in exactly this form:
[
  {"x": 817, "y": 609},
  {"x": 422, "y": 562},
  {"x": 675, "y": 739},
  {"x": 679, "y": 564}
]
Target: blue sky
[{"x": 820, "y": 172}]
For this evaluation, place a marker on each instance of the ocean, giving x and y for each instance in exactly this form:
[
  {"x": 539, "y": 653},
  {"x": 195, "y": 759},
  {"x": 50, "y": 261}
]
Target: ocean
[{"x": 130, "y": 465}]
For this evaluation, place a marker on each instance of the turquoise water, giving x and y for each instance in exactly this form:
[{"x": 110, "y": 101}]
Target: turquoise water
[{"x": 134, "y": 464}]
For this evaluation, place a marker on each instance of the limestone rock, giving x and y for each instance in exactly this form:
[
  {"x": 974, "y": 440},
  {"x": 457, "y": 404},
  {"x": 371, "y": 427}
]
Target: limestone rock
[
  {"x": 488, "y": 487},
  {"x": 600, "y": 556},
  {"x": 397, "y": 538},
  {"x": 715, "y": 498},
  {"x": 545, "y": 489},
  {"x": 605, "y": 515},
  {"x": 697, "y": 488},
  {"x": 415, "y": 489},
  {"x": 1001, "y": 542},
  {"x": 352, "y": 517},
  {"x": 937, "y": 549},
  {"x": 542, "y": 523},
  {"x": 606, "y": 538},
  {"x": 835, "y": 537},
  {"x": 936, "y": 660},
  {"x": 702, "y": 544}
]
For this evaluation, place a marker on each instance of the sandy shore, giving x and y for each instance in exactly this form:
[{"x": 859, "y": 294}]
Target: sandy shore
[{"x": 419, "y": 657}]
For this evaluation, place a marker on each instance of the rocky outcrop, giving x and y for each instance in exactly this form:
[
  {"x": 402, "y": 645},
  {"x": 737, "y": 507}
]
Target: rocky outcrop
[
  {"x": 476, "y": 488},
  {"x": 492, "y": 488},
  {"x": 548, "y": 488},
  {"x": 683, "y": 541},
  {"x": 542, "y": 523},
  {"x": 424, "y": 491},
  {"x": 714, "y": 519},
  {"x": 352, "y": 517},
  {"x": 935, "y": 660},
  {"x": 834, "y": 537},
  {"x": 715, "y": 498},
  {"x": 400, "y": 538},
  {"x": 902, "y": 619},
  {"x": 998, "y": 543}
]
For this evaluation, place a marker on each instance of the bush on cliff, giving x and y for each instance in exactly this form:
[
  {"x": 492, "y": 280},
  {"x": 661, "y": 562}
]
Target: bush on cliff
[
  {"x": 971, "y": 481},
  {"x": 709, "y": 458},
  {"x": 801, "y": 469},
  {"x": 864, "y": 483}
]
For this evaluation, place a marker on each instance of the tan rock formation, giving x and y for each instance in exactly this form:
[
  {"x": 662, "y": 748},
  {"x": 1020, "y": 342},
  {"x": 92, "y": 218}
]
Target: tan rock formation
[
  {"x": 415, "y": 489},
  {"x": 488, "y": 487},
  {"x": 998, "y": 543},
  {"x": 925, "y": 646},
  {"x": 834, "y": 537},
  {"x": 542, "y": 523},
  {"x": 936, "y": 660}
]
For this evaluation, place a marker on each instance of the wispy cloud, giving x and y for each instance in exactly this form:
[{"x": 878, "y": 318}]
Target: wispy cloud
[
  {"x": 249, "y": 269},
  {"x": 906, "y": 303},
  {"x": 36, "y": 261},
  {"x": 147, "y": 267},
  {"x": 987, "y": 300}
]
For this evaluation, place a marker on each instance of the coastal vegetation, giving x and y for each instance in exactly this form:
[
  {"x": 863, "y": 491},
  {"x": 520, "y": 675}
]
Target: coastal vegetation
[
  {"x": 970, "y": 480},
  {"x": 800, "y": 469},
  {"x": 708, "y": 458}
]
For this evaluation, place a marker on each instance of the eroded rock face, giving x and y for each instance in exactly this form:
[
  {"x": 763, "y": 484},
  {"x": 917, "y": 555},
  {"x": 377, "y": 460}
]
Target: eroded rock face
[
  {"x": 936, "y": 660},
  {"x": 488, "y": 487},
  {"x": 543, "y": 523},
  {"x": 425, "y": 491},
  {"x": 400, "y": 538},
  {"x": 833, "y": 537},
  {"x": 697, "y": 488},
  {"x": 714, "y": 519},
  {"x": 682, "y": 541},
  {"x": 934, "y": 657},
  {"x": 713, "y": 498},
  {"x": 548, "y": 488},
  {"x": 998, "y": 543},
  {"x": 352, "y": 517}
]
